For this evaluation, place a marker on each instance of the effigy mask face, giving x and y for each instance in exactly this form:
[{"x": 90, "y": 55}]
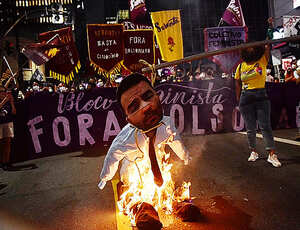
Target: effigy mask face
[{"x": 142, "y": 106}]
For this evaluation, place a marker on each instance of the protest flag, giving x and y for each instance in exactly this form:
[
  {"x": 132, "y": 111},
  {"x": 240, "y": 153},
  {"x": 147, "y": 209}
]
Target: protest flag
[
  {"x": 40, "y": 53},
  {"x": 138, "y": 44},
  {"x": 235, "y": 33},
  {"x": 65, "y": 63},
  {"x": 233, "y": 15},
  {"x": 37, "y": 75},
  {"x": 167, "y": 28},
  {"x": 105, "y": 48},
  {"x": 217, "y": 38},
  {"x": 138, "y": 11}
]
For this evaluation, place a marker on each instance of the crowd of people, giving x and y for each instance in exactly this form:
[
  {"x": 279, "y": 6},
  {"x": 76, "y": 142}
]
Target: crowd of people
[
  {"x": 171, "y": 75},
  {"x": 180, "y": 73}
]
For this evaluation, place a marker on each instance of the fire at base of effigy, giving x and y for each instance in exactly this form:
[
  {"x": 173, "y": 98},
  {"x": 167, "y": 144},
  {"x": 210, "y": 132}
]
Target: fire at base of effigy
[
  {"x": 139, "y": 193},
  {"x": 146, "y": 193}
]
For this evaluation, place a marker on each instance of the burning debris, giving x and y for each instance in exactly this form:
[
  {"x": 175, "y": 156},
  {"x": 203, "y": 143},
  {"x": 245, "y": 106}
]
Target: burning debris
[
  {"x": 141, "y": 187},
  {"x": 138, "y": 189}
]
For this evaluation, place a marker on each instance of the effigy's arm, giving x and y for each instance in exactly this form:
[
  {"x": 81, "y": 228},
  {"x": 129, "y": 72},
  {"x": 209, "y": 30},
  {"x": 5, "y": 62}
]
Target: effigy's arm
[
  {"x": 175, "y": 142},
  {"x": 111, "y": 164}
]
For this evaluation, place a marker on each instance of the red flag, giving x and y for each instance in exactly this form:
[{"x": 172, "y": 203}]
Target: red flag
[
  {"x": 66, "y": 62},
  {"x": 233, "y": 14},
  {"x": 106, "y": 52},
  {"x": 138, "y": 44},
  {"x": 40, "y": 53},
  {"x": 138, "y": 11}
]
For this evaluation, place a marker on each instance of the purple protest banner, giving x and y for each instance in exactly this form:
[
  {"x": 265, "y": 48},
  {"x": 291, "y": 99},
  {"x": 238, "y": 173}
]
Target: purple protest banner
[
  {"x": 70, "y": 121},
  {"x": 216, "y": 38},
  {"x": 201, "y": 107},
  {"x": 77, "y": 121}
]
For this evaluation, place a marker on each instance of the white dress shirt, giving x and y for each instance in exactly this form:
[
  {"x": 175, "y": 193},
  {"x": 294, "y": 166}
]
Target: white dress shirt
[{"x": 131, "y": 146}]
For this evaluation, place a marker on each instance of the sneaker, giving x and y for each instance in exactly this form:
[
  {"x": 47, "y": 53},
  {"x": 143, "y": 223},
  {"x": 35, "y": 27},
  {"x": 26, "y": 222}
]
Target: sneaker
[
  {"x": 274, "y": 160},
  {"x": 253, "y": 156}
]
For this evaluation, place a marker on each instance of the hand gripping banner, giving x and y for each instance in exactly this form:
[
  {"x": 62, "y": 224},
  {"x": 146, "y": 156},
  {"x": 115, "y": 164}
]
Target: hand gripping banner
[
  {"x": 216, "y": 38},
  {"x": 105, "y": 46},
  {"x": 138, "y": 44},
  {"x": 167, "y": 28},
  {"x": 66, "y": 61}
]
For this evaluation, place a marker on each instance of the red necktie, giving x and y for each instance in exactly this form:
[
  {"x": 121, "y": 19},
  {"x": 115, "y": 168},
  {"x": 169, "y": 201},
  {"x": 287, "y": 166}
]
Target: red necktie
[{"x": 154, "y": 164}]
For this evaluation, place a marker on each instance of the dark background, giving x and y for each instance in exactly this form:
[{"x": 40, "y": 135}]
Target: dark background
[{"x": 196, "y": 16}]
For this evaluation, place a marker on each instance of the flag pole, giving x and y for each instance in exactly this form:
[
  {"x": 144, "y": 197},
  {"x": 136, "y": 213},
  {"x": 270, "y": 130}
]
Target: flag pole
[
  {"x": 51, "y": 39},
  {"x": 220, "y": 22},
  {"x": 12, "y": 74},
  {"x": 221, "y": 51}
]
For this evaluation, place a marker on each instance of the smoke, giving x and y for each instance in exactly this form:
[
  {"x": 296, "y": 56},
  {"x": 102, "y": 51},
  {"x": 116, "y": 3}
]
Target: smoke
[{"x": 196, "y": 145}]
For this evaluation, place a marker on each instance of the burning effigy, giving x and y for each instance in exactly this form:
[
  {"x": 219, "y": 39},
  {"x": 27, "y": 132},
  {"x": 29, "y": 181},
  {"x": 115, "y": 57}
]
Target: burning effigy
[{"x": 138, "y": 154}]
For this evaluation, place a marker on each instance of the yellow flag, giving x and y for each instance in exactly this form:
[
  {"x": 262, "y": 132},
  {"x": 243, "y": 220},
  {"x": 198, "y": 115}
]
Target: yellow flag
[{"x": 167, "y": 28}]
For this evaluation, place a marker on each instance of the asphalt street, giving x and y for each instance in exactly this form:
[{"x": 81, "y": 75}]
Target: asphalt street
[{"x": 60, "y": 192}]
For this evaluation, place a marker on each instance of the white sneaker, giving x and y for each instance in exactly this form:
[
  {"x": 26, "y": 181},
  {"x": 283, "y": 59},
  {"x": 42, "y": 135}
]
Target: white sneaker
[
  {"x": 253, "y": 156},
  {"x": 274, "y": 160}
]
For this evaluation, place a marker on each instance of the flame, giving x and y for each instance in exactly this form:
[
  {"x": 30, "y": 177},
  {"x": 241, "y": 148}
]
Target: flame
[{"x": 140, "y": 187}]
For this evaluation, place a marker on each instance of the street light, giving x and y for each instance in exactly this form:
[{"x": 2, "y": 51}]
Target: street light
[{"x": 55, "y": 9}]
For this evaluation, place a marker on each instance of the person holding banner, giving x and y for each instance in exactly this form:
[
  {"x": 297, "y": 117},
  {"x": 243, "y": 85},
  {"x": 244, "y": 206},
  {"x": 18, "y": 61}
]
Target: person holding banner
[
  {"x": 253, "y": 100},
  {"x": 7, "y": 110}
]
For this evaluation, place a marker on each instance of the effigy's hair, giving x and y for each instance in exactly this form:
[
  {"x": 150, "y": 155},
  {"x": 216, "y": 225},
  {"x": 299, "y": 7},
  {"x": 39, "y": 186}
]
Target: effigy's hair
[{"x": 130, "y": 81}]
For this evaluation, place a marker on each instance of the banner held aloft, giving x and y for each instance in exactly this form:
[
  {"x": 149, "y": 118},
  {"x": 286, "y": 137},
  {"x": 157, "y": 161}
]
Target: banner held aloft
[
  {"x": 138, "y": 44},
  {"x": 63, "y": 65},
  {"x": 167, "y": 29},
  {"x": 105, "y": 47},
  {"x": 216, "y": 38}
]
